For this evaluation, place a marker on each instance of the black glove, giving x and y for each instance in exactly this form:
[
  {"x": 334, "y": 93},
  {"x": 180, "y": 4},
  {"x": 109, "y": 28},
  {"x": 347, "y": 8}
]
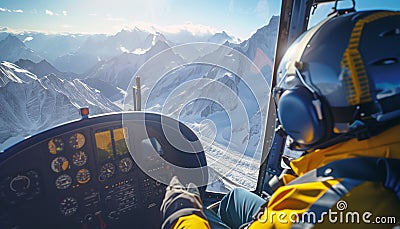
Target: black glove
[{"x": 180, "y": 201}]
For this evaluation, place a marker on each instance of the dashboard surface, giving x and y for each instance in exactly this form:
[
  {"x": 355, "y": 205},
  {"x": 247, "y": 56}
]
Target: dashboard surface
[{"x": 82, "y": 174}]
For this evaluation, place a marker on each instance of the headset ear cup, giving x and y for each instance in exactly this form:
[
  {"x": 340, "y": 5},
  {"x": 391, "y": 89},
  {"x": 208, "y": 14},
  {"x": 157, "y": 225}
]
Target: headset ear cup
[{"x": 299, "y": 117}]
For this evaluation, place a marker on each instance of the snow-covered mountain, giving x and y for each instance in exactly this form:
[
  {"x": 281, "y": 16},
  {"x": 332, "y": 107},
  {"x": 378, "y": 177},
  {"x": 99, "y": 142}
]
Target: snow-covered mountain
[
  {"x": 76, "y": 62},
  {"x": 119, "y": 70},
  {"x": 221, "y": 38},
  {"x": 229, "y": 94},
  {"x": 3, "y": 35},
  {"x": 260, "y": 47},
  {"x": 48, "y": 45},
  {"x": 12, "y": 49},
  {"x": 99, "y": 48},
  {"x": 109, "y": 91},
  {"x": 80, "y": 52},
  {"x": 44, "y": 68},
  {"x": 30, "y": 104}
]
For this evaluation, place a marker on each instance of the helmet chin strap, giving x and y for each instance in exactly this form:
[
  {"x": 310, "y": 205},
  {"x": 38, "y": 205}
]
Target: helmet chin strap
[{"x": 358, "y": 129}]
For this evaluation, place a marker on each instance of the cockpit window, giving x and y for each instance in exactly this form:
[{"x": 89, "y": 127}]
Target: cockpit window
[
  {"x": 220, "y": 90},
  {"x": 207, "y": 64}
]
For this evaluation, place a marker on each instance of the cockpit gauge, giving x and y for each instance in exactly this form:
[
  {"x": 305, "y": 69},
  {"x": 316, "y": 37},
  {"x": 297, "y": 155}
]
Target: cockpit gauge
[
  {"x": 83, "y": 176},
  {"x": 55, "y": 145},
  {"x": 59, "y": 164},
  {"x": 68, "y": 206},
  {"x": 77, "y": 140},
  {"x": 106, "y": 171},
  {"x": 63, "y": 181},
  {"x": 125, "y": 164},
  {"x": 20, "y": 187},
  {"x": 79, "y": 158},
  {"x": 20, "y": 183}
]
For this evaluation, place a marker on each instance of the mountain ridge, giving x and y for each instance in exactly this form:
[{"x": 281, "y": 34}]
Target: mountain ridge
[
  {"x": 13, "y": 49},
  {"x": 31, "y": 104},
  {"x": 44, "y": 68}
]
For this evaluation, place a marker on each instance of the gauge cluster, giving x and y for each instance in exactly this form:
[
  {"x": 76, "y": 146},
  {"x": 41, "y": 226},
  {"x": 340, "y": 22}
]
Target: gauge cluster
[
  {"x": 69, "y": 160},
  {"x": 98, "y": 161},
  {"x": 93, "y": 169}
]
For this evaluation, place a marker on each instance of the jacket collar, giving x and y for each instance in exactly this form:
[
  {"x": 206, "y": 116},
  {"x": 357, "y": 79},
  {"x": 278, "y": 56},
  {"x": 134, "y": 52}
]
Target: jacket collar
[{"x": 386, "y": 144}]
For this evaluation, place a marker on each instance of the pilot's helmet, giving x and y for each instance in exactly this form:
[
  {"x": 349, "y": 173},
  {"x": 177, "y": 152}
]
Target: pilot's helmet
[{"x": 340, "y": 80}]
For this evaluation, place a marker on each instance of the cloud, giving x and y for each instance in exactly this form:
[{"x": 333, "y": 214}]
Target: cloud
[
  {"x": 189, "y": 27},
  {"x": 10, "y": 11},
  {"x": 48, "y": 12},
  {"x": 65, "y": 13},
  {"x": 3, "y": 29},
  {"x": 27, "y": 39},
  {"x": 180, "y": 33}
]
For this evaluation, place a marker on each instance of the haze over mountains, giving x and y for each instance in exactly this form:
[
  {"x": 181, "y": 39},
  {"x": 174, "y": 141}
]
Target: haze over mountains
[{"x": 44, "y": 79}]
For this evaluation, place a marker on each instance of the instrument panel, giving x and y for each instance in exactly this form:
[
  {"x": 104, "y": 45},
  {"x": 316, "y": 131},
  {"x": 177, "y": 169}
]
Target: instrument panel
[{"x": 82, "y": 175}]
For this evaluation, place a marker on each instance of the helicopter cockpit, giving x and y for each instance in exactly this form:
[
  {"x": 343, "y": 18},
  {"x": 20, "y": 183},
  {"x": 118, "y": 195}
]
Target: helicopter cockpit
[{"x": 111, "y": 170}]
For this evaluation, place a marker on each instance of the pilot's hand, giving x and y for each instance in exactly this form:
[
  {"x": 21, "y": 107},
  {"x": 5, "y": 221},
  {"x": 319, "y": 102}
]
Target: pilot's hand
[{"x": 180, "y": 201}]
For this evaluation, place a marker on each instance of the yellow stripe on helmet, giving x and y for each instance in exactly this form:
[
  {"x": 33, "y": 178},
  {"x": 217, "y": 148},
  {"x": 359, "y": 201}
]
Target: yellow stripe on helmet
[{"x": 355, "y": 78}]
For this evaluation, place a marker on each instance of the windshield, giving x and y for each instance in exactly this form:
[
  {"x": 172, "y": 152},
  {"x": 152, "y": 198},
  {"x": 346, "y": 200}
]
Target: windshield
[{"x": 206, "y": 63}]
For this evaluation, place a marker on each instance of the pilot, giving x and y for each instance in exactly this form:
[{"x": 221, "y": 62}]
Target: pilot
[{"x": 338, "y": 100}]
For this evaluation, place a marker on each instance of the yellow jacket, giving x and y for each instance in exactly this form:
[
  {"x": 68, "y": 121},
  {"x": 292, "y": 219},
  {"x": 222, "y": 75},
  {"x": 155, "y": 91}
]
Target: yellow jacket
[{"x": 361, "y": 204}]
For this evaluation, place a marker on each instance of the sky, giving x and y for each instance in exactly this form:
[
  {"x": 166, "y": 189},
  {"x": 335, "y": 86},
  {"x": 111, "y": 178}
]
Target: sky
[{"x": 240, "y": 18}]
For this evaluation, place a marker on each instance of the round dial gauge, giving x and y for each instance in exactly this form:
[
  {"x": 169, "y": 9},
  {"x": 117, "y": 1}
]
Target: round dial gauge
[
  {"x": 68, "y": 206},
  {"x": 59, "y": 164},
  {"x": 79, "y": 158},
  {"x": 20, "y": 183},
  {"x": 63, "y": 181},
  {"x": 77, "y": 140},
  {"x": 83, "y": 176},
  {"x": 106, "y": 171},
  {"x": 55, "y": 145},
  {"x": 125, "y": 164}
]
